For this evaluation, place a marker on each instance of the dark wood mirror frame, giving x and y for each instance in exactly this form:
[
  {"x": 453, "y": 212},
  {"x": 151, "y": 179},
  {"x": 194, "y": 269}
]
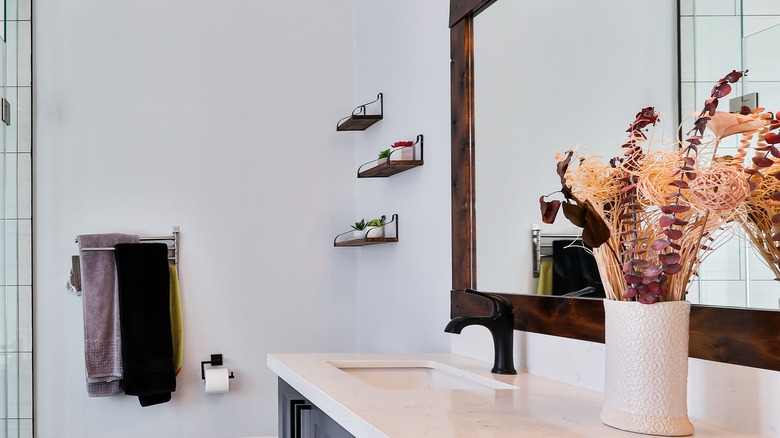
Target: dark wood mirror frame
[{"x": 730, "y": 335}]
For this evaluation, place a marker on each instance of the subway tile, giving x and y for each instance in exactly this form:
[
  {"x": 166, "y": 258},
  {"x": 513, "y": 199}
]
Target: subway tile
[
  {"x": 718, "y": 47},
  {"x": 24, "y": 9},
  {"x": 694, "y": 292},
  {"x": 758, "y": 268},
  {"x": 25, "y": 319},
  {"x": 18, "y": 428},
  {"x": 10, "y": 372},
  {"x": 11, "y": 64},
  {"x": 686, "y": 8},
  {"x": 24, "y": 237},
  {"x": 725, "y": 262},
  {"x": 24, "y": 185},
  {"x": 765, "y": 294},
  {"x": 3, "y": 239},
  {"x": 11, "y": 10},
  {"x": 761, "y": 7},
  {"x": 11, "y": 131},
  {"x": 10, "y": 321},
  {"x": 10, "y": 182},
  {"x": 687, "y": 49},
  {"x": 11, "y": 251},
  {"x": 724, "y": 293},
  {"x": 24, "y": 119},
  {"x": 24, "y": 53},
  {"x": 25, "y": 385},
  {"x": 716, "y": 7}
]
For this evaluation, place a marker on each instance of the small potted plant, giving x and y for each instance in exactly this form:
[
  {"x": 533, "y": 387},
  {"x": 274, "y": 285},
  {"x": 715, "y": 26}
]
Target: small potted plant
[
  {"x": 383, "y": 156},
  {"x": 376, "y": 227},
  {"x": 402, "y": 150},
  {"x": 359, "y": 229}
]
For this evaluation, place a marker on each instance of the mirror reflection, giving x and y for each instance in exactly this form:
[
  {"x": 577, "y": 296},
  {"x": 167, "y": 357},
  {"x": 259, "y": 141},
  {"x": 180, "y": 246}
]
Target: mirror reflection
[
  {"x": 741, "y": 33},
  {"x": 579, "y": 83}
]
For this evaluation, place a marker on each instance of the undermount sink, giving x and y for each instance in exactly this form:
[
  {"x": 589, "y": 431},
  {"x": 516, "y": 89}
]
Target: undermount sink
[{"x": 415, "y": 374}]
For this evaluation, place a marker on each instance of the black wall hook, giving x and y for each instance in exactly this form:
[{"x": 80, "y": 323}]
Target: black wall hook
[{"x": 216, "y": 360}]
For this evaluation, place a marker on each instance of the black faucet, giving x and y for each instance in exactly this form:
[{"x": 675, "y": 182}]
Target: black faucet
[{"x": 501, "y": 326}]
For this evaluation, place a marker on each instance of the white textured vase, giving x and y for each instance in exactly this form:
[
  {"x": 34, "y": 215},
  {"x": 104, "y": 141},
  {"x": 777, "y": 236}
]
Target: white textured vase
[
  {"x": 375, "y": 232},
  {"x": 646, "y": 382}
]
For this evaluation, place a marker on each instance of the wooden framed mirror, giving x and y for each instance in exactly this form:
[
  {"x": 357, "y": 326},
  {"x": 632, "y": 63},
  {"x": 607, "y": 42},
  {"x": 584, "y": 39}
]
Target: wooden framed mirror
[{"x": 730, "y": 335}]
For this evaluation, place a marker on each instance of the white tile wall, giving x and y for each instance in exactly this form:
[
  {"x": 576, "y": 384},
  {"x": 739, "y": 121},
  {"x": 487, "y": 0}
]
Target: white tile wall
[
  {"x": 765, "y": 294},
  {"x": 725, "y": 263},
  {"x": 760, "y": 7},
  {"x": 16, "y": 390},
  {"x": 715, "y": 7}
]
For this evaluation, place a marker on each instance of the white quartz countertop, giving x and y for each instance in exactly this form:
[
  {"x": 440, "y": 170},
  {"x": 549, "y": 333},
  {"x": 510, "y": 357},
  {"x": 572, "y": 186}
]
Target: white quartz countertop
[{"x": 539, "y": 407}]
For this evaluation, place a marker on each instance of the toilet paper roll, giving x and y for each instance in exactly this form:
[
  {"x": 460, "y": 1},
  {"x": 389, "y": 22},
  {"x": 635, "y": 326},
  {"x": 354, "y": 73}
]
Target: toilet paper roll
[{"x": 217, "y": 381}]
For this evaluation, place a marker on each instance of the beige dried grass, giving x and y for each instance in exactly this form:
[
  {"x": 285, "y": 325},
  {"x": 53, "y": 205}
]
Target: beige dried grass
[
  {"x": 711, "y": 210},
  {"x": 701, "y": 194},
  {"x": 719, "y": 188},
  {"x": 756, "y": 218}
]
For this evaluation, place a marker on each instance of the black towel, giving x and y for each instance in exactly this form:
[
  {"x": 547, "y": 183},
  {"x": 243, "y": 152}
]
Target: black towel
[
  {"x": 574, "y": 268},
  {"x": 145, "y": 319}
]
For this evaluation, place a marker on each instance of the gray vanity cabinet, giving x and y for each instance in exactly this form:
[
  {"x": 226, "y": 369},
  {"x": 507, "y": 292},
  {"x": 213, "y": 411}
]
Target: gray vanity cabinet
[{"x": 300, "y": 418}]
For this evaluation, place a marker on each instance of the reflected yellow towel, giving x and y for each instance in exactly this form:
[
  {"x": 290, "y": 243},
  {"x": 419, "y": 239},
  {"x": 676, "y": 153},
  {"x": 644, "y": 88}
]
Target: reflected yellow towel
[
  {"x": 545, "y": 278},
  {"x": 177, "y": 324}
]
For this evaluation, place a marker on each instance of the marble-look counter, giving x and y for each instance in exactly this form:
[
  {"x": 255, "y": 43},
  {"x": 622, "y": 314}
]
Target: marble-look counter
[{"x": 539, "y": 407}]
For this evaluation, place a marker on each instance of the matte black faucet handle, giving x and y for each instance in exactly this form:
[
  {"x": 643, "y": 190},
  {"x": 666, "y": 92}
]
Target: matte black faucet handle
[{"x": 501, "y": 304}]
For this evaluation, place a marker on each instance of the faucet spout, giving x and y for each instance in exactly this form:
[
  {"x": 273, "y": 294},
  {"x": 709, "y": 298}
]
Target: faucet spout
[
  {"x": 501, "y": 326},
  {"x": 457, "y": 324}
]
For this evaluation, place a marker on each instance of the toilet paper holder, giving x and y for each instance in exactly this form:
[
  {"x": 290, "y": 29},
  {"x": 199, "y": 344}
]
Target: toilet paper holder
[{"x": 216, "y": 360}]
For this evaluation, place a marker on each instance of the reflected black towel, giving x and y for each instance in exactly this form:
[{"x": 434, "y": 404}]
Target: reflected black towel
[
  {"x": 145, "y": 319},
  {"x": 574, "y": 268}
]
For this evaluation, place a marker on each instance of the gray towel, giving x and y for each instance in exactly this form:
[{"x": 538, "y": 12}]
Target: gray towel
[{"x": 102, "y": 336}]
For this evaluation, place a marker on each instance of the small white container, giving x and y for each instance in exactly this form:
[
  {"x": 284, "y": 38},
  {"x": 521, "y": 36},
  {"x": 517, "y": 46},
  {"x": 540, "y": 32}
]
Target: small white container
[
  {"x": 405, "y": 153},
  {"x": 375, "y": 232},
  {"x": 359, "y": 234}
]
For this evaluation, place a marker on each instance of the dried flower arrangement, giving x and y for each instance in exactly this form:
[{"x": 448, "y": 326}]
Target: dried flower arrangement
[
  {"x": 652, "y": 215},
  {"x": 760, "y": 216}
]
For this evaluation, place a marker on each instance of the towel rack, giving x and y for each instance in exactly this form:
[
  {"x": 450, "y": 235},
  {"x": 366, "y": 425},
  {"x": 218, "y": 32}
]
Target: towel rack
[
  {"x": 74, "y": 283},
  {"x": 541, "y": 242}
]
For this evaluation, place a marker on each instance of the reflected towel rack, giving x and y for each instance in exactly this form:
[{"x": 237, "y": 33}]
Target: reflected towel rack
[
  {"x": 74, "y": 284},
  {"x": 541, "y": 249}
]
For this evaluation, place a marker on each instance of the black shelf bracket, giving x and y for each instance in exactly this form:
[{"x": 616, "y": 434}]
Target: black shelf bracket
[{"x": 360, "y": 120}]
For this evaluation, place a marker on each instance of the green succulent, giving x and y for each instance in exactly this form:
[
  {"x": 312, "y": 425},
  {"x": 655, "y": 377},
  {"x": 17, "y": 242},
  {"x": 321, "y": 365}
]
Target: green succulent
[
  {"x": 376, "y": 222},
  {"x": 359, "y": 226},
  {"x": 384, "y": 154}
]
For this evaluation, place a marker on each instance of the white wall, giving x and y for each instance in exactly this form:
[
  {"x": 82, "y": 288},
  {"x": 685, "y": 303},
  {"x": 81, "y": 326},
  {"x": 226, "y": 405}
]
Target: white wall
[
  {"x": 403, "y": 289},
  {"x": 219, "y": 118}
]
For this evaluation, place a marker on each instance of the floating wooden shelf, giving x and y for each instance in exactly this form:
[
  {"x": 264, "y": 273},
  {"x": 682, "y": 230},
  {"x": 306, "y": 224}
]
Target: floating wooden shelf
[
  {"x": 389, "y": 168},
  {"x": 389, "y": 235},
  {"x": 358, "y": 123},
  {"x": 359, "y": 120},
  {"x": 384, "y": 167},
  {"x": 366, "y": 241}
]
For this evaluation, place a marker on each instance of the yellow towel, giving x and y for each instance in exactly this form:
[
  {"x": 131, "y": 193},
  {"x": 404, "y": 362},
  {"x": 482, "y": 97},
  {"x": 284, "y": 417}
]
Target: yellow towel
[
  {"x": 177, "y": 324},
  {"x": 545, "y": 278}
]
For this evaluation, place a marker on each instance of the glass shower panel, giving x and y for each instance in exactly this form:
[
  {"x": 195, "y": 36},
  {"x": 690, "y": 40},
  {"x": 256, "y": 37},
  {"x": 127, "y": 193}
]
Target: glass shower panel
[
  {"x": 10, "y": 358},
  {"x": 16, "y": 376},
  {"x": 9, "y": 314}
]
